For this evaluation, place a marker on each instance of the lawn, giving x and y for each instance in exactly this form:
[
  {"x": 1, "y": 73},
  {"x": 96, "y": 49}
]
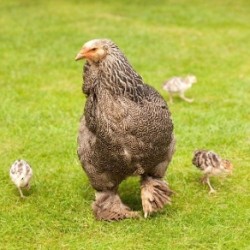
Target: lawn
[{"x": 42, "y": 102}]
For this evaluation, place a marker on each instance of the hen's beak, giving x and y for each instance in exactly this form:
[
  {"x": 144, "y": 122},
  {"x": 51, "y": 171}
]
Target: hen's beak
[{"x": 80, "y": 55}]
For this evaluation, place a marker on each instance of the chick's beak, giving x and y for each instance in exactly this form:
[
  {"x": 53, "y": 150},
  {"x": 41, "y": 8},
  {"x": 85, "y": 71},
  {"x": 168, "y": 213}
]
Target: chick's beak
[{"x": 80, "y": 55}]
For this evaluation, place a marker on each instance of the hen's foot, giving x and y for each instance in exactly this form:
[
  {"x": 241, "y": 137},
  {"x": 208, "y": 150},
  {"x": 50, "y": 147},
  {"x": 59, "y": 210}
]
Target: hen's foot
[
  {"x": 155, "y": 193},
  {"x": 108, "y": 206}
]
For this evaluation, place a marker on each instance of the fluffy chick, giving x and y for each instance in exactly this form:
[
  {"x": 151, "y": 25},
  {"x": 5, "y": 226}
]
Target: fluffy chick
[
  {"x": 211, "y": 164},
  {"x": 20, "y": 174},
  {"x": 179, "y": 85}
]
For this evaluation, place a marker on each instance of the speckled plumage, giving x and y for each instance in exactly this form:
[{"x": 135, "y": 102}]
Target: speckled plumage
[
  {"x": 210, "y": 164},
  {"x": 20, "y": 174},
  {"x": 126, "y": 128}
]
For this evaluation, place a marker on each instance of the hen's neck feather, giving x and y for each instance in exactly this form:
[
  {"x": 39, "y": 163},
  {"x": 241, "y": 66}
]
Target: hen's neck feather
[{"x": 116, "y": 75}]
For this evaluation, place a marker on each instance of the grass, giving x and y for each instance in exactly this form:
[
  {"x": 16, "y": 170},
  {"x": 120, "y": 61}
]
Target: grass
[{"x": 41, "y": 103}]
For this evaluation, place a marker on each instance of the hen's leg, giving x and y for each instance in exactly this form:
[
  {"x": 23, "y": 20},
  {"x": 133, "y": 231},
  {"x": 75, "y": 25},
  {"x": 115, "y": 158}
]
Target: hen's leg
[
  {"x": 204, "y": 179},
  {"x": 108, "y": 206},
  {"x": 155, "y": 192}
]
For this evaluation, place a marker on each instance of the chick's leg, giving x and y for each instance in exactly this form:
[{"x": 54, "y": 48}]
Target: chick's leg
[
  {"x": 27, "y": 186},
  {"x": 170, "y": 98},
  {"x": 183, "y": 97},
  {"x": 21, "y": 193},
  {"x": 210, "y": 187},
  {"x": 204, "y": 179}
]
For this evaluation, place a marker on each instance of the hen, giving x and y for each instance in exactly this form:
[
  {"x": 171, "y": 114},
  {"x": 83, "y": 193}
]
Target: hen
[
  {"x": 211, "y": 164},
  {"x": 126, "y": 130}
]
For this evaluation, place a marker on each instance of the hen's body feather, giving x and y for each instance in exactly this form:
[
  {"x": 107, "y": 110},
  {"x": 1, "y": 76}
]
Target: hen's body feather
[{"x": 126, "y": 128}]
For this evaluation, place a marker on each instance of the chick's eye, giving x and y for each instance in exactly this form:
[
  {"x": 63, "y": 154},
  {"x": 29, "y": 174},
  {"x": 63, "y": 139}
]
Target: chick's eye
[{"x": 94, "y": 49}]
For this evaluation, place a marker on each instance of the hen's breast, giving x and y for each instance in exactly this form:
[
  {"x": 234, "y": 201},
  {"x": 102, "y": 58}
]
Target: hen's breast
[
  {"x": 133, "y": 133},
  {"x": 129, "y": 120}
]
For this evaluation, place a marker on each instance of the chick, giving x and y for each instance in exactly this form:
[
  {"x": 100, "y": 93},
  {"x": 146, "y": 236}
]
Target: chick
[
  {"x": 211, "y": 164},
  {"x": 20, "y": 174},
  {"x": 178, "y": 85}
]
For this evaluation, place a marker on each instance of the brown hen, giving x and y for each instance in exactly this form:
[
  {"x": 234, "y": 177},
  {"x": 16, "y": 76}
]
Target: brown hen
[{"x": 126, "y": 130}]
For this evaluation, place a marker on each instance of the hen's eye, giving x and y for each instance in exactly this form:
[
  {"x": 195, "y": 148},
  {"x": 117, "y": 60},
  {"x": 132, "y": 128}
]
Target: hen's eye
[{"x": 94, "y": 49}]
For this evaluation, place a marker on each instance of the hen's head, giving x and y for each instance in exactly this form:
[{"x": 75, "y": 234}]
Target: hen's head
[{"x": 95, "y": 50}]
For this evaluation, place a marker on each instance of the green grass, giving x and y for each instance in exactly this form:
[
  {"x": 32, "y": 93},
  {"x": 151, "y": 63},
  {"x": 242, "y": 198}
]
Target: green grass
[{"x": 41, "y": 103}]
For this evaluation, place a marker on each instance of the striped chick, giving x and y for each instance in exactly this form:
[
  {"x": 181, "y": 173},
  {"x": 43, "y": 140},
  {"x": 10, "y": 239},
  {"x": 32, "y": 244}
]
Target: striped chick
[
  {"x": 20, "y": 174},
  {"x": 211, "y": 164}
]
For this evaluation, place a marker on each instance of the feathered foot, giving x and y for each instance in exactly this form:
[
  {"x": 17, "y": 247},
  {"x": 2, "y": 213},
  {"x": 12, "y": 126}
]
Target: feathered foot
[
  {"x": 155, "y": 193},
  {"x": 108, "y": 206}
]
